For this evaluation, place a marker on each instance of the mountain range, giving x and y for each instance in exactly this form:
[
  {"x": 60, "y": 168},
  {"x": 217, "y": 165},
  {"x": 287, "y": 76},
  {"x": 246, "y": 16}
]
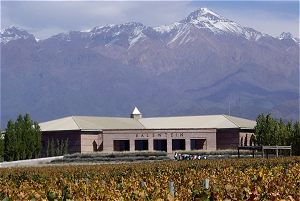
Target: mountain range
[{"x": 203, "y": 64}]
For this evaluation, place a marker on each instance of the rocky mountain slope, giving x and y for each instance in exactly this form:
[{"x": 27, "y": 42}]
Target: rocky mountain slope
[{"x": 203, "y": 64}]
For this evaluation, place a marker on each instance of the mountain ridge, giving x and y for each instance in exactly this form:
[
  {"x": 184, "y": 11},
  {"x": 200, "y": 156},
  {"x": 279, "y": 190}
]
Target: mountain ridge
[
  {"x": 203, "y": 17},
  {"x": 179, "y": 69}
]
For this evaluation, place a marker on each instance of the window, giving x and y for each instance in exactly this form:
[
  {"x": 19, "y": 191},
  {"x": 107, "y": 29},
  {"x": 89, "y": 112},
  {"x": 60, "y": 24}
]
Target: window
[
  {"x": 197, "y": 144},
  {"x": 178, "y": 144},
  {"x": 121, "y": 145},
  {"x": 141, "y": 145},
  {"x": 160, "y": 145}
]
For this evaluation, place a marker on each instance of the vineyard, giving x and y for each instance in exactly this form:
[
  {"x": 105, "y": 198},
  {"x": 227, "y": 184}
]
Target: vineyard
[{"x": 243, "y": 179}]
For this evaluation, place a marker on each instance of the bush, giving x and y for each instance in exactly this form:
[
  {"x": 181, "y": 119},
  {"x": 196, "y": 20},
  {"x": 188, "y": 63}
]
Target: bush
[
  {"x": 109, "y": 157},
  {"x": 217, "y": 152}
]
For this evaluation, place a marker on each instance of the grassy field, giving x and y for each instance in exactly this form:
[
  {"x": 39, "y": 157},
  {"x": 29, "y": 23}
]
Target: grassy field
[{"x": 231, "y": 179}]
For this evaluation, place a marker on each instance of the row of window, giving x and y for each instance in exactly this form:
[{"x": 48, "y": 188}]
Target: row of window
[{"x": 158, "y": 145}]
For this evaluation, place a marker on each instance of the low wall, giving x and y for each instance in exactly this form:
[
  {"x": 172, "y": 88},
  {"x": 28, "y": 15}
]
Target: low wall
[{"x": 30, "y": 162}]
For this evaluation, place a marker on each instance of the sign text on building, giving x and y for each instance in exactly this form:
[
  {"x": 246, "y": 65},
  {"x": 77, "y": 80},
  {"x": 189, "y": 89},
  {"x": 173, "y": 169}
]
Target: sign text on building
[{"x": 163, "y": 135}]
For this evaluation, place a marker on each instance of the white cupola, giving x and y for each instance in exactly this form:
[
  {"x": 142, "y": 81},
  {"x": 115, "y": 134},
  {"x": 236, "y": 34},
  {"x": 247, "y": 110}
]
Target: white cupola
[{"x": 136, "y": 114}]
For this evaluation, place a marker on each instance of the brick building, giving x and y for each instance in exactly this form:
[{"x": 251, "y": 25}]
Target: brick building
[{"x": 108, "y": 134}]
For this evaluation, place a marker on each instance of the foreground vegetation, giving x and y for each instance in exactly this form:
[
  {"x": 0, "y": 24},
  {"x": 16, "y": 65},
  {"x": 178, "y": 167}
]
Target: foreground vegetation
[{"x": 234, "y": 179}]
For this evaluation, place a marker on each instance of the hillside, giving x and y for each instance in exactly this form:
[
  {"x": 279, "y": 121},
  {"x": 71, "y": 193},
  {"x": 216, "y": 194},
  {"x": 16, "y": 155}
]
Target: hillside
[{"x": 203, "y": 64}]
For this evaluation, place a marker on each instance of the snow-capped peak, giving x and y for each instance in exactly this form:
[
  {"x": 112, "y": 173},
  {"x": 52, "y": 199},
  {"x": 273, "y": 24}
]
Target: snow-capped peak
[
  {"x": 117, "y": 28},
  {"x": 208, "y": 20},
  {"x": 288, "y": 36},
  {"x": 203, "y": 14},
  {"x": 126, "y": 34},
  {"x": 205, "y": 18},
  {"x": 167, "y": 28},
  {"x": 14, "y": 33}
]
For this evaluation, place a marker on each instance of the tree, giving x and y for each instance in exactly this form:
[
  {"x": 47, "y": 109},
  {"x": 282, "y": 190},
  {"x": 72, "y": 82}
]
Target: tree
[
  {"x": 37, "y": 139},
  {"x": 57, "y": 148},
  {"x": 246, "y": 141},
  {"x": 9, "y": 142},
  {"x": 296, "y": 139},
  {"x": 52, "y": 147},
  {"x": 260, "y": 129},
  {"x": 48, "y": 148},
  {"x": 66, "y": 146},
  {"x": 265, "y": 130},
  {"x": 252, "y": 140},
  {"x": 22, "y": 139},
  {"x": 269, "y": 131},
  {"x": 242, "y": 142}
]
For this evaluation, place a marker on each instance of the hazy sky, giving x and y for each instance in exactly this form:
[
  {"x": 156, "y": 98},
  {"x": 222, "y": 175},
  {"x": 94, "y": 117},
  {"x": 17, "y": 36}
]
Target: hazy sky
[{"x": 46, "y": 18}]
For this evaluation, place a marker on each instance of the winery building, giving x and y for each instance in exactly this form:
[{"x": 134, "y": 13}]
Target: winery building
[{"x": 109, "y": 134}]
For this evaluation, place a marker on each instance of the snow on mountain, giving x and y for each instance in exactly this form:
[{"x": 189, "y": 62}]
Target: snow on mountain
[
  {"x": 14, "y": 33},
  {"x": 167, "y": 28},
  {"x": 205, "y": 18},
  {"x": 182, "y": 34},
  {"x": 209, "y": 20},
  {"x": 137, "y": 35},
  {"x": 194, "y": 66},
  {"x": 288, "y": 36},
  {"x": 128, "y": 34},
  {"x": 285, "y": 35},
  {"x": 100, "y": 29},
  {"x": 62, "y": 36}
]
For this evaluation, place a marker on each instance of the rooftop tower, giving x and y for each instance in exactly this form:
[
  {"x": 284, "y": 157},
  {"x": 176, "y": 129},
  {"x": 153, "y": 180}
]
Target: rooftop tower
[{"x": 136, "y": 114}]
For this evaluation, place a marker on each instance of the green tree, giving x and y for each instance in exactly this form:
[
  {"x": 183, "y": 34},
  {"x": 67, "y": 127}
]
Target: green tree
[
  {"x": 22, "y": 139},
  {"x": 271, "y": 127},
  {"x": 252, "y": 140},
  {"x": 9, "y": 141},
  {"x": 260, "y": 129},
  {"x": 66, "y": 146},
  {"x": 57, "y": 148},
  {"x": 246, "y": 141},
  {"x": 48, "y": 148},
  {"x": 37, "y": 139},
  {"x": 52, "y": 147},
  {"x": 270, "y": 131},
  {"x": 295, "y": 139},
  {"x": 281, "y": 133},
  {"x": 266, "y": 130}
]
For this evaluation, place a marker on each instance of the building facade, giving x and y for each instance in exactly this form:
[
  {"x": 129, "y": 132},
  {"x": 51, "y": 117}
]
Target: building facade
[{"x": 86, "y": 134}]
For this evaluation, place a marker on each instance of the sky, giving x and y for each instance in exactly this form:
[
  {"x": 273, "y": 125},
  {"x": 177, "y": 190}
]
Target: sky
[{"x": 47, "y": 18}]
